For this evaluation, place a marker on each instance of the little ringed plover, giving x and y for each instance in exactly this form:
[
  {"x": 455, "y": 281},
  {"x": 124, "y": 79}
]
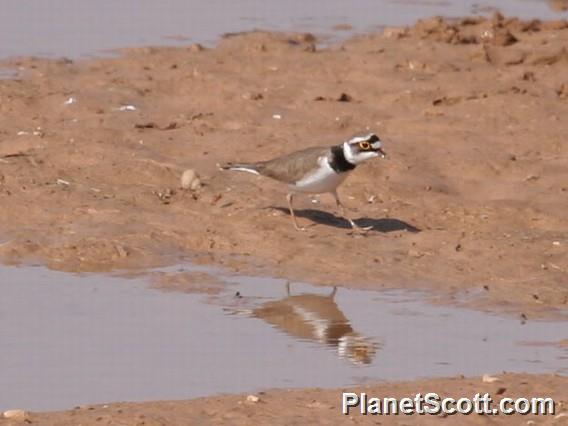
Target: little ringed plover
[{"x": 316, "y": 170}]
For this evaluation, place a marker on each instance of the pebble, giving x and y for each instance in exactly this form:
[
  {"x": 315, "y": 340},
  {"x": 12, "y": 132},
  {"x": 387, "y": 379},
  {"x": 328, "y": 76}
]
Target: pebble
[
  {"x": 16, "y": 415},
  {"x": 489, "y": 379},
  {"x": 252, "y": 96},
  {"x": 196, "y": 47},
  {"x": 190, "y": 180},
  {"x": 127, "y": 108},
  {"x": 253, "y": 398}
]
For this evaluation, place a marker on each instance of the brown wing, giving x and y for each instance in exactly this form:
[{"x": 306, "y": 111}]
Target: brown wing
[{"x": 294, "y": 166}]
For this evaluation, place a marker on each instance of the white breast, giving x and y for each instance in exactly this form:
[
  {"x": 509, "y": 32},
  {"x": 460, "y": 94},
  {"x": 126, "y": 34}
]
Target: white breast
[{"x": 322, "y": 179}]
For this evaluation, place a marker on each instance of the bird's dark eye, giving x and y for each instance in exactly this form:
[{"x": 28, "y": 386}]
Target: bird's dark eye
[{"x": 364, "y": 145}]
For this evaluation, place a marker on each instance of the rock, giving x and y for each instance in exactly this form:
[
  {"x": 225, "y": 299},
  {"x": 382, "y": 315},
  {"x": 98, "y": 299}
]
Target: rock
[
  {"x": 196, "y": 47},
  {"x": 252, "y": 96},
  {"x": 306, "y": 38},
  {"x": 165, "y": 195},
  {"x": 190, "y": 180},
  {"x": 489, "y": 379},
  {"x": 19, "y": 415},
  {"x": 562, "y": 91},
  {"x": 395, "y": 32},
  {"x": 253, "y": 398},
  {"x": 498, "y": 36}
]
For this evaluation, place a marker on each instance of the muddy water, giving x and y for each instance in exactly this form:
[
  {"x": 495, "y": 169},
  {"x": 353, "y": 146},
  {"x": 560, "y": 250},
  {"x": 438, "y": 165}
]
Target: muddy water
[
  {"x": 77, "y": 28},
  {"x": 67, "y": 340}
]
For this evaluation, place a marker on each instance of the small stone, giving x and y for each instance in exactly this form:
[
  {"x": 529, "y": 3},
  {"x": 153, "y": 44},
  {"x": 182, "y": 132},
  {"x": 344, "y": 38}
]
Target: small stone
[
  {"x": 528, "y": 76},
  {"x": 395, "y": 32},
  {"x": 62, "y": 182},
  {"x": 127, "y": 108},
  {"x": 252, "y": 96},
  {"x": 122, "y": 253},
  {"x": 196, "y": 47},
  {"x": 190, "y": 180},
  {"x": 20, "y": 415},
  {"x": 306, "y": 38},
  {"x": 501, "y": 391},
  {"x": 489, "y": 379},
  {"x": 165, "y": 195},
  {"x": 253, "y": 398}
]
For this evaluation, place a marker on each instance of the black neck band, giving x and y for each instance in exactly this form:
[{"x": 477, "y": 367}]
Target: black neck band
[{"x": 338, "y": 162}]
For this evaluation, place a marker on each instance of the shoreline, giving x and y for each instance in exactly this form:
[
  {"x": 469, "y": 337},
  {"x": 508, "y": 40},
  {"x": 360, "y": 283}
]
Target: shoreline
[{"x": 320, "y": 406}]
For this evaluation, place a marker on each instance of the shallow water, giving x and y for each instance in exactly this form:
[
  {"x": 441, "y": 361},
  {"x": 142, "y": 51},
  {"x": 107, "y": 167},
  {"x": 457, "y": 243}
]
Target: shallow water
[
  {"x": 67, "y": 340},
  {"x": 76, "y": 28}
]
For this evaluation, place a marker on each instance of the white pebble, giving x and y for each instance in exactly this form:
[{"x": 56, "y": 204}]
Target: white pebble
[
  {"x": 190, "y": 180},
  {"x": 253, "y": 398},
  {"x": 15, "y": 414},
  {"x": 489, "y": 379},
  {"x": 127, "y": 108}
]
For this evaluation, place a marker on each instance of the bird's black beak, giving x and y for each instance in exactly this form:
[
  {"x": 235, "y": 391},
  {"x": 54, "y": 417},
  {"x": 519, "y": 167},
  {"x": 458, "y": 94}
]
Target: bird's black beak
[{"x": 383, "y": 153}]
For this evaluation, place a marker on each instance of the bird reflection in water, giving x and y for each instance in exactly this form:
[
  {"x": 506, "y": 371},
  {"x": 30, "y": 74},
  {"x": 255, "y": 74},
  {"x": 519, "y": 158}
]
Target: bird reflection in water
[{"x": 317, "y": 318}]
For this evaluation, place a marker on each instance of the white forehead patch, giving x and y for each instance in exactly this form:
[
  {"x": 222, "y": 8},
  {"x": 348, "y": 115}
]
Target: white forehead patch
[{"x": 360, "y": 138}]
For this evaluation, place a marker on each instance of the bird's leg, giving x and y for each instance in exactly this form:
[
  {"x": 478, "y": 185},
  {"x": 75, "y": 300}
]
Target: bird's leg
[
  {"x": 343, "y": 213},
  {"x": 332, "y": 295},
  {"x": 289, "y": 198}
]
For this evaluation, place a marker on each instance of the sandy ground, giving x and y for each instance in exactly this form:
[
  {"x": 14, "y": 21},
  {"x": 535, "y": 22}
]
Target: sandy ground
[
  {"x": 320, "y": 407},
  {"x": 470, "y": 205},
  {"x": 471, "y": 201}
]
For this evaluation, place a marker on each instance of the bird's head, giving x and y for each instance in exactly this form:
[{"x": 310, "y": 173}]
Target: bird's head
[{"x": 362, "y": 148}]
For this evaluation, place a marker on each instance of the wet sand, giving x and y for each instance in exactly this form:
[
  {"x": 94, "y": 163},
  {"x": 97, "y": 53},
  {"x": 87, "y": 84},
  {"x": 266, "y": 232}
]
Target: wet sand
[
  {"x": 321, "y": 407},
  {"x": 470, "y": 206}
]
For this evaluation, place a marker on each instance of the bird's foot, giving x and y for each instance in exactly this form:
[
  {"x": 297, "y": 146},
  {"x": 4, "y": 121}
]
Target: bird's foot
[{"x": 359, "y": 229}]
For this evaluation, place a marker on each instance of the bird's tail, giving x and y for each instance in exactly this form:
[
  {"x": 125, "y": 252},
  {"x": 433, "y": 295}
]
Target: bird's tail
[{"x": 241, "y": 167}]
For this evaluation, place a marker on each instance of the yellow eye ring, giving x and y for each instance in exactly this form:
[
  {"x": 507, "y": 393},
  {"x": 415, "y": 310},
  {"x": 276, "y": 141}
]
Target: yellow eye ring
[{"x": 364, "y": 145}]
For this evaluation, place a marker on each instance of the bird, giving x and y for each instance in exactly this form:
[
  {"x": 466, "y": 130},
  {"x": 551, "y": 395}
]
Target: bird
[
  {"x": 318, "y": 318},
  {"x": 317, "y": 170}
]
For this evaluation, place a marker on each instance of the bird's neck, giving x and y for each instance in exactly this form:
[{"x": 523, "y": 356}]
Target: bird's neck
[{"x": 338, "y": 161}]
